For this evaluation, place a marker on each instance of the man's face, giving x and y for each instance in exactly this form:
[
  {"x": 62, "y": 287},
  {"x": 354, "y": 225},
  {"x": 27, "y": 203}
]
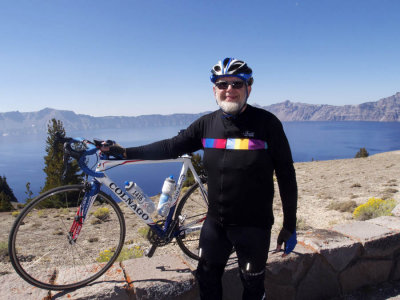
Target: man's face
[{"x": 231, "y": 99}]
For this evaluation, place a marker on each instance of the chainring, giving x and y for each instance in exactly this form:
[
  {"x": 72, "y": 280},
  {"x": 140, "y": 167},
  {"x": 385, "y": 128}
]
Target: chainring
[{"x": 154, "y": 238}]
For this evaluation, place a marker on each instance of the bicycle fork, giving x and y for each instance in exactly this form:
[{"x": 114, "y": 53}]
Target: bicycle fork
[{"x": 91, "y": 191}]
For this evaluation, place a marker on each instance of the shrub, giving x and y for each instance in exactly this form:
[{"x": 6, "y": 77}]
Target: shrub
[
  {"x": 41, "y": 213},
  {"x": 4, "y": 251},
  {"x": 197, "y": 162},
  {"x": 64, "y": 211},
  {"x": 36, "y": 225},
  {"x": 184, "y": 190},
  {"x": 58, "y": 232},
  {"x": 95, "y": 221},
  {"x": 362, "y": 153},
  {"x": 102, "y": 213},
  {"x": 144, "y": 231},
  {"x": 302, "y": 225},
  {"x": 374, "y": 208},
  {"x": 126, "y": 253},
  {"x": 15, "y": 213},
  {"x": 130, "y": 242},
  {"x": 345, "y": 206},
  {"x": 390, "y": 191}
]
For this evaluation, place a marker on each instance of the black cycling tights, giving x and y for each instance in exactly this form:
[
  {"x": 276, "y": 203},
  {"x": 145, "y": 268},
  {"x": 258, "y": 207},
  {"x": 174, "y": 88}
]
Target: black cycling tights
[{"x": 251, "y": 246}]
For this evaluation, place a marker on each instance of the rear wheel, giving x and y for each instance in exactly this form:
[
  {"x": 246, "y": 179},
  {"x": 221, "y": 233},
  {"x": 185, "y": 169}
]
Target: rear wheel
[
  {"x": 191, "y": 211},
  {"x": 40, "y": 247}
]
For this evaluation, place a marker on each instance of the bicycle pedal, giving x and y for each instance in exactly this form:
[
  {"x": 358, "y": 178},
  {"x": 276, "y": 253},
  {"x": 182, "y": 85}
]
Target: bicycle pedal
[{"x": 150, "y": 252}]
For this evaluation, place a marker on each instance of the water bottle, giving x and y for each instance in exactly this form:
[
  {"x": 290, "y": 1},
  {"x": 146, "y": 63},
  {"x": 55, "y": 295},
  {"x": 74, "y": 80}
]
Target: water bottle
[
  {"x": 166, "y": 196},
  {"x": 136, "y": 192}
]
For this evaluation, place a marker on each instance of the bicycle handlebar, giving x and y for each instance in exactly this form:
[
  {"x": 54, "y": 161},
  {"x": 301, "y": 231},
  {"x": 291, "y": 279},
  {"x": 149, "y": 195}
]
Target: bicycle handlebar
[
  {"x": 88, "y": 148},
  {"x": 83, "y": 165}
]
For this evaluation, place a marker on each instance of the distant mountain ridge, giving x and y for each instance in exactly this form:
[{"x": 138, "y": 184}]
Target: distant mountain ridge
[
  {"x": 17, "y": 123},
  {"x": 384, "y": 110}
]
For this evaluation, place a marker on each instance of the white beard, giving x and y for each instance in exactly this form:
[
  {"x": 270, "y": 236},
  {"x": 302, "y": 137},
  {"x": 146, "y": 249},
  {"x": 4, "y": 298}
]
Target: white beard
[{"x": 230, "y": 107}]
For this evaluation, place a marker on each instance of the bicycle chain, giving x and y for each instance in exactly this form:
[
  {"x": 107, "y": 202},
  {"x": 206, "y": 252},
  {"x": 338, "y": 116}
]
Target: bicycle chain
[{"x": 155, "y": 239}]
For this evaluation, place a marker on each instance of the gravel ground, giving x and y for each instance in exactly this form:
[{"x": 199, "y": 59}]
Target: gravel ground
[
  {"x": 323, "y": 183},
  {"x": 320, "y": 183}
]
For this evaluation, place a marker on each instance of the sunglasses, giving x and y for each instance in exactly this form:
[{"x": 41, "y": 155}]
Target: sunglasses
[{"x": 223, "y": 85}]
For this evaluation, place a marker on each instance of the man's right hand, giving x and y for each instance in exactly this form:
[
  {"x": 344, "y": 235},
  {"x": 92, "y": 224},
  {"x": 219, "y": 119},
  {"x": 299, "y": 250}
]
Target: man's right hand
[{"x": 114, "y": 149}]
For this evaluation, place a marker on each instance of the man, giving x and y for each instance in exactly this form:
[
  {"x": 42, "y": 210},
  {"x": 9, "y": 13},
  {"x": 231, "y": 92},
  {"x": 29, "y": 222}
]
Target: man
[{"x": 243, "y": 146}]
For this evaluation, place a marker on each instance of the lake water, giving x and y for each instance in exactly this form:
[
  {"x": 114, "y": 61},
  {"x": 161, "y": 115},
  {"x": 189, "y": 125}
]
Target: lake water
[{"x": 22, "y": 157}]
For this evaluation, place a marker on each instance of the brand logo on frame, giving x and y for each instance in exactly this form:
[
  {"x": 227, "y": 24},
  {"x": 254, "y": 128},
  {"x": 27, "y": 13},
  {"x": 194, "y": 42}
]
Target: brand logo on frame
[{"x": 124, "y": 197}]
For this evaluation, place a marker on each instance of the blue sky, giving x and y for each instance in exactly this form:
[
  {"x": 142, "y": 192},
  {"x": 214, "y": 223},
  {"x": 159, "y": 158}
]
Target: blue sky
[{"x": 141, "y": 57}]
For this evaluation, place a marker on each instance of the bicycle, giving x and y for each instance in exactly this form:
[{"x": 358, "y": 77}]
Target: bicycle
[{"x": 70, "y": 258}]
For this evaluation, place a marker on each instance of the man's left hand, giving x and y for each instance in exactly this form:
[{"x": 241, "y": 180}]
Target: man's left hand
[{"x": 290, "y": 240}]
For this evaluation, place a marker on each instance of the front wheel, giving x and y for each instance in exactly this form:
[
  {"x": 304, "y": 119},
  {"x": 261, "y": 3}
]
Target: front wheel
[
  {"x": 191, "y": 211},
  {"x": 42, "y": 251}
]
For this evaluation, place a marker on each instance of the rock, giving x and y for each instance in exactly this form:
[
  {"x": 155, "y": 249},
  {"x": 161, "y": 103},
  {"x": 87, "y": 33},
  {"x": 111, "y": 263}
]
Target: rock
[
  {"x": 161, "y": 277},
  {"x": 290, "y": 269},
  {"x": 377, "y": 241},
  {"x": 109, "y": 286},
  {"x": 365, "y": 272},
  {"x": 396, "y": 211},
  {"x": 321, "y": 282},
  {"x": 337, "y": 249},
  {"x": 390, "y": 222}
]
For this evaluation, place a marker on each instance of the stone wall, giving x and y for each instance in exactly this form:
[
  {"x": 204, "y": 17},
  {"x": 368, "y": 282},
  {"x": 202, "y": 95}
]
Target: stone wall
[
  {"x": 328, "y": 263},
  {"x": 324, "y": 264}
]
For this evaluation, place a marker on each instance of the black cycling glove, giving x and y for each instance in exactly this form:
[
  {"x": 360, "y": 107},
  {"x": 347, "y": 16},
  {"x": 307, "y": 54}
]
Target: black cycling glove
[
  {"x": 289, "y": 238},
  {"x": 118, "y": 150},
  {"x": 115, "y": 149}
]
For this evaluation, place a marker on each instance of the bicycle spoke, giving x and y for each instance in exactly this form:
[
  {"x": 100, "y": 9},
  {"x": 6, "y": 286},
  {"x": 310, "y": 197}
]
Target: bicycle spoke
[
  {"x": 192, "y": 209},
  {"x": 41, "y": 259}
]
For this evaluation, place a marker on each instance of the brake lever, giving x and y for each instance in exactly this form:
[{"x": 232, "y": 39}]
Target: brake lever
[{"x": 66, "y": 158}]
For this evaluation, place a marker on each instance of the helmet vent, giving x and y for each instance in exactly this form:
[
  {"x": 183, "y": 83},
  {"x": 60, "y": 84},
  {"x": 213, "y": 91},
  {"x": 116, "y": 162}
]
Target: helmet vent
[{"x": 232, "y": 67}]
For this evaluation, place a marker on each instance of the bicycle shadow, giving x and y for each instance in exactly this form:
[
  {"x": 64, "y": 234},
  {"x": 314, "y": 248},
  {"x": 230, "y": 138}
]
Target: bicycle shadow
[
  {"x": 120, "y": 287},
  {"x": 166, "y": 269}
]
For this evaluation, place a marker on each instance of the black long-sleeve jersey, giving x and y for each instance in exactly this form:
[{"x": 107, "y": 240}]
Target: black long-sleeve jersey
[{"x": 240, "y": 156}]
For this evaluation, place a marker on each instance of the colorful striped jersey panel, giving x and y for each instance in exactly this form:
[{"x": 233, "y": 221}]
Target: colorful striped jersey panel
[{"x": 234, "y": 144}]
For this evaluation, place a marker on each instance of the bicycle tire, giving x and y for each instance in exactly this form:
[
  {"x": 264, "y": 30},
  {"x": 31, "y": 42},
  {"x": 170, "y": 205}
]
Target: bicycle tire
[
  {"x": 51, "y": 261},
  {"x": 193, "y": 208}
]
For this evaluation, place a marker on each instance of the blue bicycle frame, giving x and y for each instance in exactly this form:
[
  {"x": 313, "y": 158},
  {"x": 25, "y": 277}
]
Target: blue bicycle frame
[{"x": 166, "y": 232}]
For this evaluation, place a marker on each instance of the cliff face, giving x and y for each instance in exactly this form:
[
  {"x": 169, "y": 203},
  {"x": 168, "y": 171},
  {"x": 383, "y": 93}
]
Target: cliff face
[
  {"x": 384, "y": 110},
  {"x": 17, "y": 123}
]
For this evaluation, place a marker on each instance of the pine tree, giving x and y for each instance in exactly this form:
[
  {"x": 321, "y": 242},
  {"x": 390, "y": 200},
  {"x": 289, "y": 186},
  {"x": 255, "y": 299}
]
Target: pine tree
[
  {"x": 362, "y": 153},
  {"x": 197, "y": 163},
  {"x": 4, "y": 187},
  {"x": 54, "y": 165},
  {"x": 5, "y": 202},
  {"x": 28, "y": 192}
]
